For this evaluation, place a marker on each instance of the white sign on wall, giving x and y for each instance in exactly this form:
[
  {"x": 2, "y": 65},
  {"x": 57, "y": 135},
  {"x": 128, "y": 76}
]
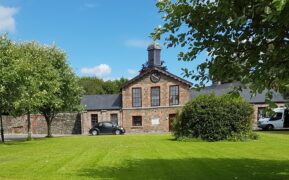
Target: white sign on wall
[{"x": 155, "y": 121}]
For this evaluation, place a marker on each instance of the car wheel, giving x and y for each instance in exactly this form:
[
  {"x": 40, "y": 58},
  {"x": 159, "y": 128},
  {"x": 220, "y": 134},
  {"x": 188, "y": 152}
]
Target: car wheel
[
  {"x": 94, "y": 133},
  {"x": 117, "y": 132},
  {"x": 270, "y": 127}
]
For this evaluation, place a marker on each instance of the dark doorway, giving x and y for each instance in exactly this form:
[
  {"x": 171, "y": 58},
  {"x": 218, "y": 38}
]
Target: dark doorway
[
  {"x": 171, "y": 119},
  {"x": 286, "y": 118}
]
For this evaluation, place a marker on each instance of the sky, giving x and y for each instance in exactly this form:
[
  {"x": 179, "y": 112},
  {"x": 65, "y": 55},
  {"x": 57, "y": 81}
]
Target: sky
[{"x": 103, "y": 38}]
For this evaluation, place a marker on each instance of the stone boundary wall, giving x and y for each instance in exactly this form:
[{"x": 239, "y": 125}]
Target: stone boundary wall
[{"x": 65, "y": 123}]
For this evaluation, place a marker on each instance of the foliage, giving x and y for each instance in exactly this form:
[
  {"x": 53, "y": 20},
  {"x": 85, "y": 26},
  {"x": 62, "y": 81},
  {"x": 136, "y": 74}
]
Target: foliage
[
  {"x": 9, "y": 79},
  {"x": 245, "y": 40},
  {"x": 94, "y": 85},
  {"x": 214, "y": 118},
  {"x": 146, "y": 66},
  {"x": 36, "y": 78},
  {"x": 146, "y": 157},
  {"x": 63, "y": 91}
]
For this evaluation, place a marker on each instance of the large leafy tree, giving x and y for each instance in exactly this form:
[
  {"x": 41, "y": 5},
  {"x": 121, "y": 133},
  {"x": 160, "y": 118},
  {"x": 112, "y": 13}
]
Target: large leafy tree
[
  {"x": 245, "y": 40},
  {"x": 9, "y": 79},
  {"x": 39, "y": 79},
  {"x": 66, "y": 96}
]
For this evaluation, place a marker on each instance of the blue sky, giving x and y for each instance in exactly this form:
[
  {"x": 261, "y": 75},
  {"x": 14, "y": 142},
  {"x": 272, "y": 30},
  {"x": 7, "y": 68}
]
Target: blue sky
[{"x": 104, "y": 38}]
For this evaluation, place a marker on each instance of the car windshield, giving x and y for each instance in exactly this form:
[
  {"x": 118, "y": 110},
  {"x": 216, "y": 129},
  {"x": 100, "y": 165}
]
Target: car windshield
[{"x": 276, "y": 116}]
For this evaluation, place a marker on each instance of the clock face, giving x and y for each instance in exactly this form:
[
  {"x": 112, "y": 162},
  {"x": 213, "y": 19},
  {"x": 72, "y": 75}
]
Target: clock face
[{"x": 155, "y": 77}]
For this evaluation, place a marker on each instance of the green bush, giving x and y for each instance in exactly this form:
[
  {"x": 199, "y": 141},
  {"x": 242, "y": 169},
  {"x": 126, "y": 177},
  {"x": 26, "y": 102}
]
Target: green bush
[{"x": 214, "y": 118}]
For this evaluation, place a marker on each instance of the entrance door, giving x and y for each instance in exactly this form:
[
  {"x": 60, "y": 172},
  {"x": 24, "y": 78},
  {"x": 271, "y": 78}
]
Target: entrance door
[{"x": 171, "y": 119}]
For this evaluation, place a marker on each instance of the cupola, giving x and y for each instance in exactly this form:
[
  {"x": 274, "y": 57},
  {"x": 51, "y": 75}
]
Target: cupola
[{"x": 154, "y": 55}]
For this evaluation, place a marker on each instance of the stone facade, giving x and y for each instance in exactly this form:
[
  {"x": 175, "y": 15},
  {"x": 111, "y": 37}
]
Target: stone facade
[
  {"x": 66, "y": 123},
  {"x": 102, "y": 115},
  {"x": 146, "y": 111}
]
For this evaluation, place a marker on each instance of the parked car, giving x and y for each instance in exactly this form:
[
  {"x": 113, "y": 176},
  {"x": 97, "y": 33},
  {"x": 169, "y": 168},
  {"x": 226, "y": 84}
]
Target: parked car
[
  {"x": 280, "y": 120},
  {"x": 106, "y": 127}
]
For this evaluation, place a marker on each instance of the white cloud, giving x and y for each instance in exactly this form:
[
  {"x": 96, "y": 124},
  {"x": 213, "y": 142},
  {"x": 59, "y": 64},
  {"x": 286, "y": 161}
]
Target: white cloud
[
  {"x": 132, "y": 71},
  {"x": 139, "y": 43},
  {"x": 7, "y": 21},
  {"x": 102, "y": 70}
]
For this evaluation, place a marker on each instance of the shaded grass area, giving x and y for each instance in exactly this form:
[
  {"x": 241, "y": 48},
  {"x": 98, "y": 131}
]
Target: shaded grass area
[{"x": 145, "y": 157}]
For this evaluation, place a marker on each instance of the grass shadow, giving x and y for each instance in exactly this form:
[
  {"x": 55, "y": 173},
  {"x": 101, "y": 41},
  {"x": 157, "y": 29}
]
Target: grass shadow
[
  {"x": 279, "y": 131},
  {"x": 22, "y": 141},
  {"x": 194, "y": 168}
]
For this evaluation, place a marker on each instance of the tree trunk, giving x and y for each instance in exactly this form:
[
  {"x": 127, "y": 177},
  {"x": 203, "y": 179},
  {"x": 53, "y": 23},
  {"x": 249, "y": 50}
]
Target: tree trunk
[
  {"x": 2, "y": 129},
  {"x": 49, "y": 134},
  {"x": 48, "y": 122},
  {"x": 29, "y": 129}
]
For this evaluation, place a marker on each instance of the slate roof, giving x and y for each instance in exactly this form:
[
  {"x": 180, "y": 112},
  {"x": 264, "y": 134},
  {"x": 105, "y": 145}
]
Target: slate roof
[
  {"x": 158, "y": 70},
  {"x": 101, "y": 102},
  {"x": 245, "y": 93}
]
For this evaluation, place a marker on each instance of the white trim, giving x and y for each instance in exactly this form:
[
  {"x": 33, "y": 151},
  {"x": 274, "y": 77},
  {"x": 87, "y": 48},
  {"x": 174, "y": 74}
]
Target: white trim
[{"x": 154, "y": 107}]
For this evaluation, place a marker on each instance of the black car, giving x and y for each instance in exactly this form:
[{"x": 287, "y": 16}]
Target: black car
[{"x": 106, "y": 128}]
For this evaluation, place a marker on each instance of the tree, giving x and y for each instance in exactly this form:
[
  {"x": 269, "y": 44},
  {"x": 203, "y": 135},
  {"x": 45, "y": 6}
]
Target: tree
[
  {"x": 215, "y": 118},
  {"x": 66, "y": 97},
  {"x": 94, "y": 85},
  {"x": 9, "y": 79},
  {"x": 39, "y": 80},
  {"x": 245, "y": 40}
]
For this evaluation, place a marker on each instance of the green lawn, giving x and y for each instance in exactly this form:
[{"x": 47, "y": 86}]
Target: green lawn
[{"x": 146, "y": 157}]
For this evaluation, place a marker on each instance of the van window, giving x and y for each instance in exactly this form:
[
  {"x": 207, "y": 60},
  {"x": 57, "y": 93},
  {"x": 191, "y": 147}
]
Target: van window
[{"x": 276, "y": 117}]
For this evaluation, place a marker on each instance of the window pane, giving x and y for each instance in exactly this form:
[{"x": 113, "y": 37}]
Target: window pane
[
  {"x": 174, "y": 95},
  {"x": 155, "y": 96},
  {"x": 136, "y": 97},
  {"x": 113, "y": 118},
  {"x": 137, "y": 121},
  {"x": 94, "y": 119},
  {"x": 261, "y": 112}
]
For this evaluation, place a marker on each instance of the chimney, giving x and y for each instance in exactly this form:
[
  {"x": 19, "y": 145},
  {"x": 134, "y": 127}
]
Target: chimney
[{"x": 154, "y": 55}]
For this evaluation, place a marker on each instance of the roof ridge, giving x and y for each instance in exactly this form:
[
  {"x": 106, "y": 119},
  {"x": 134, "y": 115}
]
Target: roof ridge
[
  {"x": 102, "y": 94},
  {"x": 160, "y": 70}
]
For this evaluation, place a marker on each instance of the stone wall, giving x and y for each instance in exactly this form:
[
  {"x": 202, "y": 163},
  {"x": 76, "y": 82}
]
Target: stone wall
[
  {"x": 162, "y": 114},
  {"x": 103, "y": 115},
  {"x": 66, "y": 123}
]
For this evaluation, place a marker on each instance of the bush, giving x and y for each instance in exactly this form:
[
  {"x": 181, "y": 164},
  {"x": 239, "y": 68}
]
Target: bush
[{"x": 214, "y": 118}]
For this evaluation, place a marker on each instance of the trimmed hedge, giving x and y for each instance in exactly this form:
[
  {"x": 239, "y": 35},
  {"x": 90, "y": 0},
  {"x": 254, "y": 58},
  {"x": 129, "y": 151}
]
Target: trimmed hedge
[{"x": 214, "y": 118}]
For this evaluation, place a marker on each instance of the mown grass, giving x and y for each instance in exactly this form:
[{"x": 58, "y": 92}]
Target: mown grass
[{"x": 146, "y": 157}]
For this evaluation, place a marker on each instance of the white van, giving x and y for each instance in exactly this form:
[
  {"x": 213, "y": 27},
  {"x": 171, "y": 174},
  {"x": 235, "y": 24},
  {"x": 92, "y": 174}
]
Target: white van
[{"x": 279, "y": 120}]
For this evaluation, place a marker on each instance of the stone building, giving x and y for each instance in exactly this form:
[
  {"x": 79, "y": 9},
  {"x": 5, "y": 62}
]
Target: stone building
[{"x": 149, "y": 101}]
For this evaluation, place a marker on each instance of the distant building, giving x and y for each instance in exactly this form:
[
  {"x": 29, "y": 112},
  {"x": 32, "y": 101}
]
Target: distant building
[{"x": 149, "y": 101}]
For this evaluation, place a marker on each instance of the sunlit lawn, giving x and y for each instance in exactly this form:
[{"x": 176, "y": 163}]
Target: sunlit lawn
[{"x": 146, "y": 157}]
